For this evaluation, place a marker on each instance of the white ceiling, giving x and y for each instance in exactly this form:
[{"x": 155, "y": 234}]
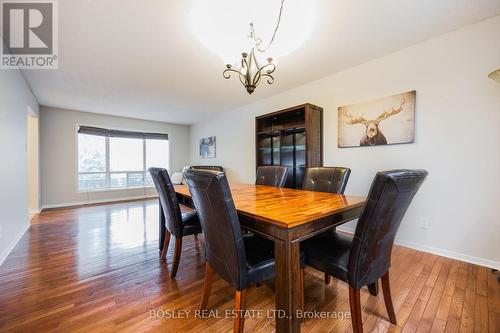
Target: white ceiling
[{"x": 141, "y": 59}]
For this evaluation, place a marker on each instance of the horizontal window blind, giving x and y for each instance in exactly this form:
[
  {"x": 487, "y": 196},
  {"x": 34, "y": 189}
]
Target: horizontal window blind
[{"x": 121, "y": 134}]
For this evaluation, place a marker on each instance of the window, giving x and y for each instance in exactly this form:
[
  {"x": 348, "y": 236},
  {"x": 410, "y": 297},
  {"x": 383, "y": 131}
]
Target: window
[
  {"x": 155, "y": 156},
  {"x": 109, "y": 159}
]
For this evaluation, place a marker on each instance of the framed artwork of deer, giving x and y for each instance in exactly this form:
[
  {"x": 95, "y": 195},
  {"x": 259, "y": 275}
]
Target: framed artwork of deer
[{"x": 386, "y": 121}]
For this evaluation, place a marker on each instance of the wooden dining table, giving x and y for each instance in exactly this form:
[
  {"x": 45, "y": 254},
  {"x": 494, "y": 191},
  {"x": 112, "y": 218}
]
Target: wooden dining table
[{"x": 287, "y": 217}]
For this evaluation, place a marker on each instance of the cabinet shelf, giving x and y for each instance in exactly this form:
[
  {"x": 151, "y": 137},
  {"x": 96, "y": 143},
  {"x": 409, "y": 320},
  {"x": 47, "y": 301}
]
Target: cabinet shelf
[
  {"x": 278, "y": 131},
  {"x": 297, "y": 147}
]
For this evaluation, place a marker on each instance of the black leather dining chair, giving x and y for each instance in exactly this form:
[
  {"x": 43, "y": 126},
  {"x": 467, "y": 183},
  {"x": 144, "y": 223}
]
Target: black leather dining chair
[
  {"x": 274, "y": 175},
  {"x": 362, "y": 259},
  {"x": 241, "y": 260},
  {"x": 326, "y": 179},
  {"x": 178, "y": 223},
  {"x": 207, "y": 167}
]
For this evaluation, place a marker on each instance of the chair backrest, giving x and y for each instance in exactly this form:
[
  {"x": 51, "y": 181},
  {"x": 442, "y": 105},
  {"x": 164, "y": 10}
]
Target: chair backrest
[
  {"x": 220, "y": 224},
  {"x": 207, "y": 167},
  {"x": 271, "y": 176},
  {"x": 168, "y": 200},
  {"x": 326, "y": 179},
  {"x": 390, "y": 195}
]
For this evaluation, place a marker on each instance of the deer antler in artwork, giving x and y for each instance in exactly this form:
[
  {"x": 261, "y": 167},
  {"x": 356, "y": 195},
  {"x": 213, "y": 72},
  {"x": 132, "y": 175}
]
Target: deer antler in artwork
[
  {"x": 355, "y": 120},
  {"x": 386, "y": 114},
  {"x": 373, "y": 135}
]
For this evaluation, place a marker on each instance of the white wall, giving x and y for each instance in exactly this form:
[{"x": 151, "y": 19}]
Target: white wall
[
  {"x": 15, "y": 98},
  {"x": 58, "y": 154},
  {"x": 457, "y": 137}
]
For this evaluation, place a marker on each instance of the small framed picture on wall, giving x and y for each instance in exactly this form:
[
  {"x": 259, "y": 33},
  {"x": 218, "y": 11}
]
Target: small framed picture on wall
[{"x": 207, "y": 147}]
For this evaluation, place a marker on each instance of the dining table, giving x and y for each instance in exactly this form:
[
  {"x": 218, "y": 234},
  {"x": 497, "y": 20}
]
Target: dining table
[{"x": 287, "y": 217}]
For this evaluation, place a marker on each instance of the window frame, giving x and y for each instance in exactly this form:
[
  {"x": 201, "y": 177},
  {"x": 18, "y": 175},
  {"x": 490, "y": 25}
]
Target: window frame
[{"x": 108, "y": 172}]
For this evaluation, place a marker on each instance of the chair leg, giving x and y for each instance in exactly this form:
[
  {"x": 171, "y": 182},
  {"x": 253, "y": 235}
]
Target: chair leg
[
  {"x": 209, "y": 273},
  {"x": 239, "y": 306},
  {"x": 373, "y": 288},
  {"x": 177, "y": 257},
  {"x": 355, "y": 301},
  {"x": 163, "y": 254},
  {"x": 386, "y": 289},
  {"x": 328, "y": 278}
]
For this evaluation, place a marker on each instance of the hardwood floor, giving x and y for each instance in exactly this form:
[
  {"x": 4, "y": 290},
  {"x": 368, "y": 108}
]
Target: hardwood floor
[{"x": 97, "y": 269}]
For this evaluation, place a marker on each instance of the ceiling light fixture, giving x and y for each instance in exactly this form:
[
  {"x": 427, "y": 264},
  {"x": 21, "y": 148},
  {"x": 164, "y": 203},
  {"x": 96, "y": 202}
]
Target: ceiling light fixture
[
  {"x": 251, "y": 72},
  {"x": 495, "y": 75}
]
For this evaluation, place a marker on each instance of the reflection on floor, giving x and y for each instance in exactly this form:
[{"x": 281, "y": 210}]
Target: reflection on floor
[{"x": 96, "y": 269}]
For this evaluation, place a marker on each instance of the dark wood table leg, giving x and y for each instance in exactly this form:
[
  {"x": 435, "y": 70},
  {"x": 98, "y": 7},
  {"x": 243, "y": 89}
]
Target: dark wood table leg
[
  {"x": 161, "y": 224},
  {"x": 287, "y": 257}
]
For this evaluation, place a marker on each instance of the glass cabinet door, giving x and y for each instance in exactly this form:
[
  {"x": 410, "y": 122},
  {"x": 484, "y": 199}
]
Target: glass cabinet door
[
  {"x": 276, "y": 144},
  {"x": 264, "y": 150},
  {"x": 300, "y": 158}
]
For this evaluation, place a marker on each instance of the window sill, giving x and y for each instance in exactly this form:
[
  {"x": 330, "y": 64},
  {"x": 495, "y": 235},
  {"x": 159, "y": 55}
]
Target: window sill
[{"x": 117, "y": 189}]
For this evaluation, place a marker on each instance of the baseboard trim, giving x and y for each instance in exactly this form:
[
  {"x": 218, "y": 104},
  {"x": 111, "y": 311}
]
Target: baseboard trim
[
  {"x": 13, "y": 244},
  {"x": 441, "y": 252},
  {"x": 94, "y": 202}
]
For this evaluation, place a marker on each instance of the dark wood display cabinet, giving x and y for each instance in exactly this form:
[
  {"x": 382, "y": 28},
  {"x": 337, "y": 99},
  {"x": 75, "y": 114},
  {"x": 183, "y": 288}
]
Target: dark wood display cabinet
[{"x": 292, "y": 137}]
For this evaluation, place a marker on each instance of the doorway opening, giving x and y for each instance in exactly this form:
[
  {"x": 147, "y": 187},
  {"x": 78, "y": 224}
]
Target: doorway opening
[{"x": 32, "y": 149}]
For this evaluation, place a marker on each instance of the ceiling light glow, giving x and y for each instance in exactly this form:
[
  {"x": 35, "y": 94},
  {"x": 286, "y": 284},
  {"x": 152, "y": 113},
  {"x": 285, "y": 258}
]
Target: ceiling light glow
[{"x": 222, "y": 26}]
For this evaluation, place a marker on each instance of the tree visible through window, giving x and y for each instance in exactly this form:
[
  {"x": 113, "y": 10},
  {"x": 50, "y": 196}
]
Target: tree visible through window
[{"x": 107, "y": 160}]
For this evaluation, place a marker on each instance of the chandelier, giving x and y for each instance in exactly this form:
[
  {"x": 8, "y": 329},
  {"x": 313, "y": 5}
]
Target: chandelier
[{"x": 251, "y": 71}]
